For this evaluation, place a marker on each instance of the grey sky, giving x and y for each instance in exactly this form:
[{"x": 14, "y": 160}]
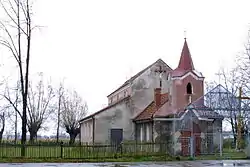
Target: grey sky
[{"x": 98, "y": 44}]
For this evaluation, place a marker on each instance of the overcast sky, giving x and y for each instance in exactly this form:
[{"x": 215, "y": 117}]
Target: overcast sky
[{"x": 98, "y": 44}]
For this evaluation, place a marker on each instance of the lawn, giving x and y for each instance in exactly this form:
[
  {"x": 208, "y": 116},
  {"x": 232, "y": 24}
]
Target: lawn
[
  {"x": 72, "y": 152},
  {"x": 105, "y": 153}
]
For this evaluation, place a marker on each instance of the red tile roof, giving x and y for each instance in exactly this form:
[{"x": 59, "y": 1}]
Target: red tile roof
[
  {"x": 186, "y": 62},
  {"x": 149, "y": 111},
  {"x": 167, "y": 110}
]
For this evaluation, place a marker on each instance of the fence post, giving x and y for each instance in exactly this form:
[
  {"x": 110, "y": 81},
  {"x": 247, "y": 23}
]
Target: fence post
[
  {"x": 121, "y": 145},
  {"x": 191, "y": 146},
  {"x": 61, "y": 149},
  {"x": 221, "y": 144},
  {"x": 39, "y": 153}
]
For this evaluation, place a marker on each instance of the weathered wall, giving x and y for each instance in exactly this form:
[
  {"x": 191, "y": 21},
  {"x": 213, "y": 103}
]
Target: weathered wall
[
  {"x": 118, "y": 116},
  {"x": 142, "y": 89},
  {"x": 86, "y": 131},
  {"x": 178, "y": 92},
  {"x": 121, "y": 115},
  {"x": 119, "y": 94}
]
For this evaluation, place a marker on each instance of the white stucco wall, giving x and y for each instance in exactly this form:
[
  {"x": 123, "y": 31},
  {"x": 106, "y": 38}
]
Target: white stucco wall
[
  {"x": 86, "y": 131},
  {"x": 142, "y": 88},
  {"x": 117, "y": 116},
  {"x": 141, "y": 91}
]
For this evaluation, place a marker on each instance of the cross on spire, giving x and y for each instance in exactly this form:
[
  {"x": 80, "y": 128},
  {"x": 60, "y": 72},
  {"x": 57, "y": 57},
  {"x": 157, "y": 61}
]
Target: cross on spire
[
  {"x": 219, "y": 75},
  {"x": 185, "y": 34},
  {"x": 160, "y": 71}
]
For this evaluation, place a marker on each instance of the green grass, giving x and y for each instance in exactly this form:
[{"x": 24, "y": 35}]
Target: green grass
[{"x": 56, "y": 153}]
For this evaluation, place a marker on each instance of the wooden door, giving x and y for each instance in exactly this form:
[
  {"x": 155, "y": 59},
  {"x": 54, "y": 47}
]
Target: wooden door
[{"x": 185, "y": 143}]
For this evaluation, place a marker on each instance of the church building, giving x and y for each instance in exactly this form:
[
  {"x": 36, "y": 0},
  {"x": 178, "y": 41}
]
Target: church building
[{"x": 153, "y": 106}]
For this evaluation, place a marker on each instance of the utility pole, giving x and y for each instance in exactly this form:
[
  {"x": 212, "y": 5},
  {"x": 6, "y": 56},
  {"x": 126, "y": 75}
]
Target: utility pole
[{"x": 240, "y": 123}]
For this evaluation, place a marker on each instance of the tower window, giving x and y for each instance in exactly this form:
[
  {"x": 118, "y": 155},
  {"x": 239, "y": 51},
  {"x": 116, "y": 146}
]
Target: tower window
[{"x": 189, "y": 88}]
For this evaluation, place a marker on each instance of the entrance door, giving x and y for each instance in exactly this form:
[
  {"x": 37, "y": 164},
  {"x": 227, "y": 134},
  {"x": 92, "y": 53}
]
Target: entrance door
[
  {"x": 185, "y": 141},
  {"x": 116, "y": 136}
]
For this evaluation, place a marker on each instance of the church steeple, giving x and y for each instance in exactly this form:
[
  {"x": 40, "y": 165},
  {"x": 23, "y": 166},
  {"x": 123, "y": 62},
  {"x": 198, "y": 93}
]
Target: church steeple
[{"x": 186, "y": 62}]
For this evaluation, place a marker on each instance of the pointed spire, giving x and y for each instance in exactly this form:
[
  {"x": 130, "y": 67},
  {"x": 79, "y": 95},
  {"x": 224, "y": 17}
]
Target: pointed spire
[{"x": 186, "y": 62}]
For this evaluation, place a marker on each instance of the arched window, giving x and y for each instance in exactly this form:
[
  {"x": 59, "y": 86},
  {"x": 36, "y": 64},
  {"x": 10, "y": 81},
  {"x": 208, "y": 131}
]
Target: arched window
[{"x": 189, "y": 88}]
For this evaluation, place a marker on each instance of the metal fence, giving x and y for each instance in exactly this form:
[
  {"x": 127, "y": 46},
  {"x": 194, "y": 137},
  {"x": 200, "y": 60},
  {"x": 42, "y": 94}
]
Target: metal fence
[
  {"x": 210, "y": 144},
  {"x": 77, "y": 151},
  {"x": 219, "y": 144}
]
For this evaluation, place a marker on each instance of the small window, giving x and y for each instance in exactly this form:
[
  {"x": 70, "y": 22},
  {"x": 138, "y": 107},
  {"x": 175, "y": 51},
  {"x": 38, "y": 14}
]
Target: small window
[
  {"x": 168, "y": 78},
  {"x": 189, "y": 89},
  {"x": 111, "y": 100},
  {"x": 125, "y": 93},
  {"x": 117, "y": 96}
]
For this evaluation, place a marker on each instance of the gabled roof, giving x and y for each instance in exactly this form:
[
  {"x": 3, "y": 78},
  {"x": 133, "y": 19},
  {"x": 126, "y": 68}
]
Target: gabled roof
[
  {"x": 137, "y": 75},
  {"x": 150, "y": 110},
  {"x": 104, "y": 109}
]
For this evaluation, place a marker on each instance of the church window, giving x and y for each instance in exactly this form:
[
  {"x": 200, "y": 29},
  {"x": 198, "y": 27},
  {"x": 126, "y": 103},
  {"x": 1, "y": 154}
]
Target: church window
[
  {"x": 147, "y": 132},
  {"x": 189, "y": 88},
  {"x": 141, "y": 133},
  {"x": 87, "y": 129},
  {"x": 90, "y": 129},
  {"x": 168, "y": 78}
]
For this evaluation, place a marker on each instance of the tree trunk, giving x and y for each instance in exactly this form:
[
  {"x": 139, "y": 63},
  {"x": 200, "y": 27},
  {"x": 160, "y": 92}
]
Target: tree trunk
[
  {"x": 1, "y": 137},
  {"x": 24, "y": 130},
  {"x": 234, "y": 132},
  {"x": 32, "y": 136},
  {"x": 15, "y": 127},
  {"x": 33, "y": 133},
  {"x": 58, "y": 120},
  {"x": 2, "y": 130},
  {"x": 1, "y": 134},
  {"x": 72, "y": 138}
]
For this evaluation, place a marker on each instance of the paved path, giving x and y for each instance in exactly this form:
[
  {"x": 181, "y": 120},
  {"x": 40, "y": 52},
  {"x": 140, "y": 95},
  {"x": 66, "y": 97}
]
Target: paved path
[{"x": 226, "y": 163}]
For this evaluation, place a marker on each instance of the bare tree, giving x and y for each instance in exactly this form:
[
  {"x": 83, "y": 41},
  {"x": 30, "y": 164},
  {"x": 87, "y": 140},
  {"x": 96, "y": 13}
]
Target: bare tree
[
  {"x": 39, "y": 106},
  {"x": 243, "y": 63},
  {"x": 6, "y": 113},
  {"x": 238, "y": 109},
  {"x": 224, "y": 99},
  {"x": 2, "y": 123},
  {"x": 17, "y": 33},
  {"x": 74, "y": 108},
  {"x": 60, "y": 93},
  {"x": 11, "y": 95}
]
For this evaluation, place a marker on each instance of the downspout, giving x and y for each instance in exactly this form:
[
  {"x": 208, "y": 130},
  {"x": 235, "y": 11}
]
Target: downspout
[
  {"x": 136, "y": 131},
  {"x": 93, "y": 130},
  {"x": 152, "y": 129}
]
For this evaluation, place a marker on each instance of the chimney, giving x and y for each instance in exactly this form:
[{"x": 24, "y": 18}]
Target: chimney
[{"x": 157, "y": 97}]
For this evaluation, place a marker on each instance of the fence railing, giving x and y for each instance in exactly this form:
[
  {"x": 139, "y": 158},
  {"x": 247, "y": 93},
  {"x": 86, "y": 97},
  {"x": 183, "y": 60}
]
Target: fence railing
[
  {"x": 82, "y": 151},
  {"x": 183, "y": 146}
]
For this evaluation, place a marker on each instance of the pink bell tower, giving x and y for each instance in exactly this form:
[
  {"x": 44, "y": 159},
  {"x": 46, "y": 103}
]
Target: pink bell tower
[{"x": 187, "y": 83}]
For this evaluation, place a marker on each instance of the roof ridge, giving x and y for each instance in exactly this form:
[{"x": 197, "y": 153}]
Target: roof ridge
[{"x": 138, "y": 74}]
